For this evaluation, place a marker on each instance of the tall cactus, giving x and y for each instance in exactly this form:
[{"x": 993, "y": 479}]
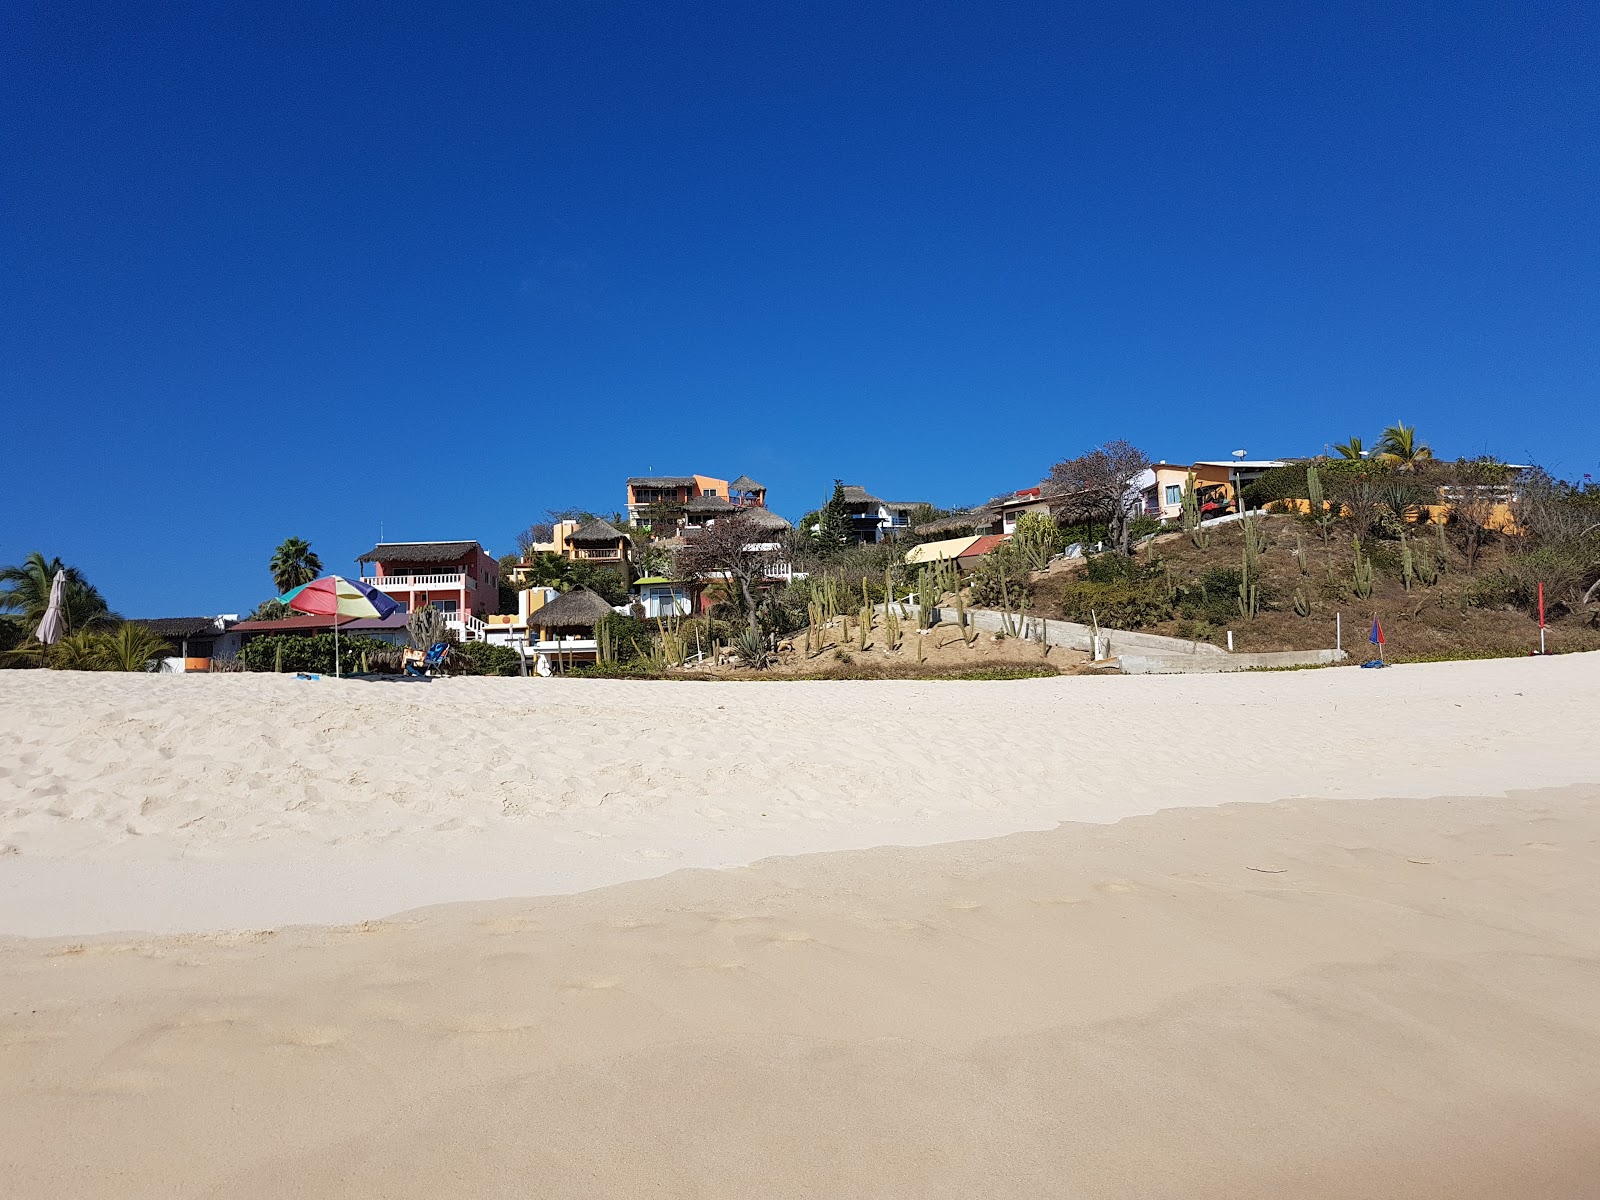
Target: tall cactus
[
  {"x": 1300, "y": 556},
  {"x": 1198, "y": 534},
  {"x": 1250, "y": 570},
  {"x": 1302, "y": 603},
  {"x": 1322, "y": 515},
  {"x": 866, "y": 625},
  {"x": 1362, "y": 572},
  {"x": 1408, "y": 572}
]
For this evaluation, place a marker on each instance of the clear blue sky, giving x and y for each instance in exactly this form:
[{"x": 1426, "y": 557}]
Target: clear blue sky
[{"x": 277, "y": 269}]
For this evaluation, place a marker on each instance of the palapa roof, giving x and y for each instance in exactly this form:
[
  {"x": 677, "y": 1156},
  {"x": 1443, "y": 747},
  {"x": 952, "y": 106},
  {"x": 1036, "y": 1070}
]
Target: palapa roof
[
  {"x": 578, "y": 608},
  {"x": 854, "y": 493},
  {"x": 419, "y": 552},
  {"x": 970, "y": 519},
  {"x": 596, "y": 530},
  {"x": 178, "y": 627},
  {"x": 765, "y": 518},
  {"x": 712, "y": 504},
  {"x": 661, "y": 481},
  {"x": 745, "y": 484}
]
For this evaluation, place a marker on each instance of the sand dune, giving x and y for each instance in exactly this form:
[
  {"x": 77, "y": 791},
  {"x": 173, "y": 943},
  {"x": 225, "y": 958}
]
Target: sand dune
[{"x": 173, "y": 803}]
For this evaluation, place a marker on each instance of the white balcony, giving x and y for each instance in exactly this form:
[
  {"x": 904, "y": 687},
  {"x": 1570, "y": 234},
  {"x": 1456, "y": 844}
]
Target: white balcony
[{"x": 410, "y": 582}]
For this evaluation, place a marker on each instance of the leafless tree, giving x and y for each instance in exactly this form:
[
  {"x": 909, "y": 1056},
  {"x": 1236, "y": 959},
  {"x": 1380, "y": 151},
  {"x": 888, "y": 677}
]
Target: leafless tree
[
  {"x": 734, "y": 548},
  {"x": 1099, "y": 483},
  {"x": 535, "y": 534},
  {"x": 1475, "y": 491}
]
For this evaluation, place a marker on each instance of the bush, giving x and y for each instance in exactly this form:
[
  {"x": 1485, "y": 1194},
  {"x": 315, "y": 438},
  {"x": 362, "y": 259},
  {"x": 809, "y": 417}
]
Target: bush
[
  {"x": 1213, "y": 599},
  {"x": 994, "y": 568},
  {"x": 1143, "y": 526},
  {"x": 606, "y": 581},
  {"x": 1116, "y": 604},
  {"x": 631, "y": 638},
  {"x": 480, "y": 658},
  {"x": 314, "y": 652}
]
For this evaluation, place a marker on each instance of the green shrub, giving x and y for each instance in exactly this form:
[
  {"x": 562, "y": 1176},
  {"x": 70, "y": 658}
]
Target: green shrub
[
  {"x": 314, "y": 652},
  {"x": 480, "y": 658},
  {"x": 631, "y": 638},
  {"x": 1118, "y": 604},
  {"x": 993, "y": 568},
  {"x": 607, "y": 582},
  {"x": 1143, "y": 526}
]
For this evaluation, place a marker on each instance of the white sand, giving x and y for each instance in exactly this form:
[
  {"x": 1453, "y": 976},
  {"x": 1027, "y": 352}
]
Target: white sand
[
  {"x": 1393, "y": 991},
  {"x": 188, "y": 803}
]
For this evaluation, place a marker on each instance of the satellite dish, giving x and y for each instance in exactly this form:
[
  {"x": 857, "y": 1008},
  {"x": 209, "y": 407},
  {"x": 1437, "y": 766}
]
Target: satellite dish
[{"x": 1239, "y": 453}]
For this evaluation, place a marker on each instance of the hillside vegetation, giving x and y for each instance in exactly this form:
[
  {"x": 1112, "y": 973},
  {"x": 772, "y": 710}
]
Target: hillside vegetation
[{"x": 1445, "y": 608}]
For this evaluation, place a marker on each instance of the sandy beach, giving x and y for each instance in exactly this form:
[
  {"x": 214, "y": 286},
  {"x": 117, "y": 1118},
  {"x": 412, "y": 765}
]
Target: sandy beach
[{"x": 1312, "y": 934}]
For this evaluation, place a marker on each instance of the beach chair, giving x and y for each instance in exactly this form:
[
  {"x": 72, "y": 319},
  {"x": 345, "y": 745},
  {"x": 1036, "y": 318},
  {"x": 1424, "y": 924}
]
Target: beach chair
[{"x": 424, "y": 666}]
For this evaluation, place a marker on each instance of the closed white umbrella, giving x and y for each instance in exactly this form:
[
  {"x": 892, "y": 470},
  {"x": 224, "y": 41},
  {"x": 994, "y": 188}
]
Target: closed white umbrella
[{"x": 53, "y": 626}]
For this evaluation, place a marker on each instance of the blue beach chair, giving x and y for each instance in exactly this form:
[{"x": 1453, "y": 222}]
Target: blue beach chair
[{"x": 432, "y": 661}]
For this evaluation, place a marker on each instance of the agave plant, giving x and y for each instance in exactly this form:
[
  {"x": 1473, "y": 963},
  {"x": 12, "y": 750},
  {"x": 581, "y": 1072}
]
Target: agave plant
[{"x": 751, "y": 648}]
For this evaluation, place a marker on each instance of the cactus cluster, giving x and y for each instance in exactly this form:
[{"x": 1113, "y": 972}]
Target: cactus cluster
[
  {"x": 1302, "y": 603},
  {"x": 1300, "y": 556},
  {"x": 1362, "y": 572}
]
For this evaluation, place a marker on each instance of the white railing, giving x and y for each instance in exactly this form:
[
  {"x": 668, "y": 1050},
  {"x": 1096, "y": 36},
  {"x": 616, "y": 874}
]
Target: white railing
[
  {"x": 416, "y": 581},
  {"x": 468, "y": 626}
]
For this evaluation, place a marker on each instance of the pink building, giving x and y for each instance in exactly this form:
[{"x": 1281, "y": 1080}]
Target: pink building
[{"x": 461, "y": 579}]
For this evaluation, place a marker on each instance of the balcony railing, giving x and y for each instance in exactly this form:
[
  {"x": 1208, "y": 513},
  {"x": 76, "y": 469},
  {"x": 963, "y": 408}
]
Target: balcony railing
[{"x": 418, "y": 581}]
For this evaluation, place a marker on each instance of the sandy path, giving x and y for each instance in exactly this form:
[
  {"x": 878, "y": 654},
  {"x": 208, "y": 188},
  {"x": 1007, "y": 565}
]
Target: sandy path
[
  {"x": 1313, "y": 999},
  {"x": 170, "y": 803}
]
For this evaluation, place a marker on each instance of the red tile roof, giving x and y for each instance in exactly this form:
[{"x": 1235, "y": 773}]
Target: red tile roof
[{"x": 983, "y": 545}]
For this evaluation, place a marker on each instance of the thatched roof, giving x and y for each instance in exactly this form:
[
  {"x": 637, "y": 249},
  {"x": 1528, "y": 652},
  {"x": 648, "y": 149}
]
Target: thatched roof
[
  {"x": 579, "y": 608},
  {"x": 661, "y": 481},
  {"x": 973, "y": 518},
  {"x": 596, "y": 530},
  {"x": 765, "y": 518},
  {"x": 707, "y": 504},
  {"x": 178, "y": 627},
  {"x": 745, "y": 484},
  {"x": 418, "y": 552},
  {"x": 854, "y": 493}
]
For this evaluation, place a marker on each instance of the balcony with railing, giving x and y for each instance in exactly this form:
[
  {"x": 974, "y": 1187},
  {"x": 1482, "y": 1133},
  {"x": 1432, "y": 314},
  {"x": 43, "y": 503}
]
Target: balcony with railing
[{"x": 412, "y": 582}]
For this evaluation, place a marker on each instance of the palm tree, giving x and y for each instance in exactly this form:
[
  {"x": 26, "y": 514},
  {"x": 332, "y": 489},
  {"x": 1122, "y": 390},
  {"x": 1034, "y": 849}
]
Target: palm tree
[
  {"x": 293, "y": 563},
  {"x": 25, "y": 589},
  {"x": 1353, "y": 449},
  {"x": 132, "y": 648},
  {"x": 1398, "y": 447}
]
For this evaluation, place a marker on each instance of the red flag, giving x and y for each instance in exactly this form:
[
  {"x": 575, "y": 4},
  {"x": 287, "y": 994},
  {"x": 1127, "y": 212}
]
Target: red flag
[
  {"x": 1376, "y": 637},
  {"x": 1541, "y": 606}
]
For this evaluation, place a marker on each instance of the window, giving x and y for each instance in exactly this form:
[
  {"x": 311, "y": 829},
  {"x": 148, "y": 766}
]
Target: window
[{"x": 1174, "y": 493}]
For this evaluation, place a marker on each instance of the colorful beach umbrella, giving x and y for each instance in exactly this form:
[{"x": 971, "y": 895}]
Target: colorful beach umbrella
[{"x": 335, "y": 596}]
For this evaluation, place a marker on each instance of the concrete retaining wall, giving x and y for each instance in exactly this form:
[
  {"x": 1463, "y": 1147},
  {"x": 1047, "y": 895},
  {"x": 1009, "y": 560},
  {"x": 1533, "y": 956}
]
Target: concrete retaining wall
[
  {"x": 1140, "y": 653},
  {"x": 1076, "y": 637},
  {"x": 1188, "y": 664}
]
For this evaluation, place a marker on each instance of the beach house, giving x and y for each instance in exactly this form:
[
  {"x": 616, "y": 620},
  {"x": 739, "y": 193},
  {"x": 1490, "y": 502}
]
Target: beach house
[
  {"x": 874, "y": 520},
  {"x": 194, "y": 641},
  {"x": 663, "y": 504},
  {"x": 460, "y": 579}
]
